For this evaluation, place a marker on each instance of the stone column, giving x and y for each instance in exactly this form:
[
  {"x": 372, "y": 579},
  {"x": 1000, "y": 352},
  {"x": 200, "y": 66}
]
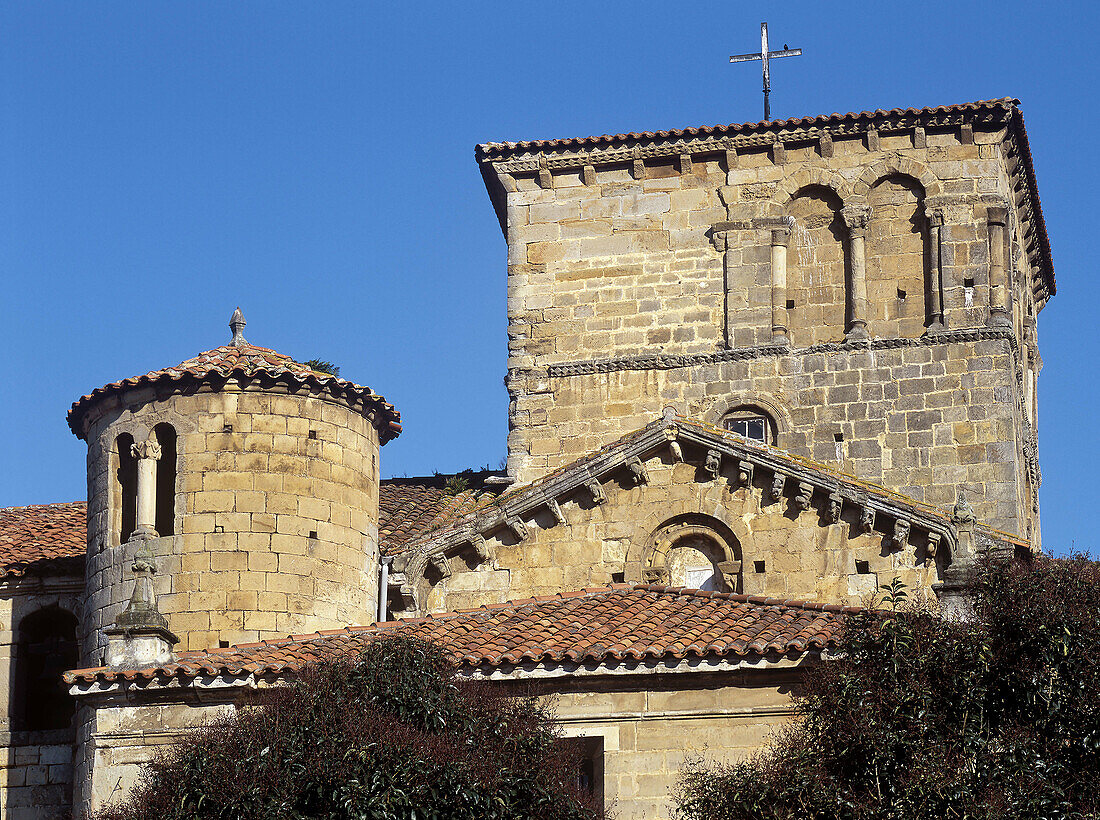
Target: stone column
[
  {"x": 998, "y": 284},
  {"x": 856, "y": 217},
  {"x": 720, "y": 238},
  {"x": 934, "y": 217},
  {"x": 147, "y": 453},
  {"x": 780, "y": 238}
]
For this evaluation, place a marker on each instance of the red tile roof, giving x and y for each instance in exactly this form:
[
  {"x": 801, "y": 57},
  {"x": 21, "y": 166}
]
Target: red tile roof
[
  {"x": 51, "y": 538},
  {"x": 608, "y": 624},
  {"x": 43, "y": 539},
  {"x": 246, "y": 361},
  {"x": 499, "y": 148}
]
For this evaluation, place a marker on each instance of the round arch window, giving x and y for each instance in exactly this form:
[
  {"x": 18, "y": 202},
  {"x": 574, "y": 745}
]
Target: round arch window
[{"x": 751, "y": 422}]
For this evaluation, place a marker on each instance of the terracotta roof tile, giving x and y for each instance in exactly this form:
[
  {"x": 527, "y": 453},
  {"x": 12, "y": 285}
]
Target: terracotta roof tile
[
  {"x": 43, "y": 539},
  {"x": 596, "y": 625},
  {"x": 412, "y": 507},
  {"x": 250, "y": 362}
]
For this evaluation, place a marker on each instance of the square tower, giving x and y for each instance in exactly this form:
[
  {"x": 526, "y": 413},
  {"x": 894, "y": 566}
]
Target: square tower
[{"x": 857, "y": 289}]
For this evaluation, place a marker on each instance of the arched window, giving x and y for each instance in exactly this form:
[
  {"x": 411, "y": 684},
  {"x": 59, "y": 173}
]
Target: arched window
[
  {"x": 816, "y": 268},
  {"x": 45, "y": 648},
  {"x": 694, "y": 551},
  {"x": 125, "y": 495},
  {"x": 751, "y": 422},
  {"x": 165, "y": 524},
  {"x": 897, "y": 259}
]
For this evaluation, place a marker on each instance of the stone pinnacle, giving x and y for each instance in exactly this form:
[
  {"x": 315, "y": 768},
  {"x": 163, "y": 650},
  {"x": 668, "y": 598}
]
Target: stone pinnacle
[{"x": 236, "y": 324}]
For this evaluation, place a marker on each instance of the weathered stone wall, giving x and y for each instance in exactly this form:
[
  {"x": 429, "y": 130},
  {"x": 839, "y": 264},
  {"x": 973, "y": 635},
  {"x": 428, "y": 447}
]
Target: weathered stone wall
[
  {"x": 619, "y": 266},
  {"x": 650, "y": 725},
  {"x": 276, "y": 512},
  {"x": 36, "y": 772},
  {"x": 679, "y": 520}
]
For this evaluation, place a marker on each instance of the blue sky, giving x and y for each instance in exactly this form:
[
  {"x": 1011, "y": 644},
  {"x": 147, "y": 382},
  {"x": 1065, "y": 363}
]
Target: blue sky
[{"x": 313, "y": 162}]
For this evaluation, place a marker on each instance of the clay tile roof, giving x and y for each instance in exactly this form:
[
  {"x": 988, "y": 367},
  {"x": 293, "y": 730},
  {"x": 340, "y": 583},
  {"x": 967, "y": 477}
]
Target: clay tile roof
[
  {"x": 593, "y": 626},
  {"x": 43, "y": 539},
  {"x": 411, "y": 507},
  {"x": 246, "y": 361}
]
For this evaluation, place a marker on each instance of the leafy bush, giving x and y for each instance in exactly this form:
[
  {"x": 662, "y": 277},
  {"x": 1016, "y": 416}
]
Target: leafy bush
[
  {"x": 390, "y": 736},
  {"x": 924, "y": 717}
]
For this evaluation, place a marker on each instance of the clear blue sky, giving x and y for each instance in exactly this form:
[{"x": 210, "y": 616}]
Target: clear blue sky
[{"x": 313, "y": 162}]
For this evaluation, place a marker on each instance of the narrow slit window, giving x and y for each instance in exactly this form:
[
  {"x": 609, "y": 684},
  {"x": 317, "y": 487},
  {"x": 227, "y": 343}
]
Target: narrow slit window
[
  {"x": 126, "y": 487},
  {"x": 165, "y": 523}
]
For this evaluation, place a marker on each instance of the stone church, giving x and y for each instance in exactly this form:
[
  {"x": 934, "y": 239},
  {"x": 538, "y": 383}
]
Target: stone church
[{"x": 755, "y": 371}]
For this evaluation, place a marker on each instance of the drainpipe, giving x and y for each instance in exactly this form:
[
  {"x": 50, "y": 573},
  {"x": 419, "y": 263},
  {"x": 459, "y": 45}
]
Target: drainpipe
[{"x": 384, "y": 587}]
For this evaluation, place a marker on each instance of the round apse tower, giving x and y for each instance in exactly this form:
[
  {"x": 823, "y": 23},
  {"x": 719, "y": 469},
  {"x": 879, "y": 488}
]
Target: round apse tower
[{"x": 249, "y": 480}]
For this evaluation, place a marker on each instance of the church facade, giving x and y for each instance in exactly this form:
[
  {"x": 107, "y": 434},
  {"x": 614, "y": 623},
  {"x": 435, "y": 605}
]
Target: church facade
[{"x": 755, "y": 372}]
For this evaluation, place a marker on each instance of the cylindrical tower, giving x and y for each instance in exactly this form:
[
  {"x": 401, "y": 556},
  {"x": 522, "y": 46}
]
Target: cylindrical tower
[{"x": 251, "y": 479}]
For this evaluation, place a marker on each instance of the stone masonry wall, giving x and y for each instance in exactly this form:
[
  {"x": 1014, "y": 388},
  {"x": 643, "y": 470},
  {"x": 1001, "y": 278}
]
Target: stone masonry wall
[
  {"x": 783, "y": 552},
  {"x": 276, "y": 513},
  {"x": 613, "y": 269}
]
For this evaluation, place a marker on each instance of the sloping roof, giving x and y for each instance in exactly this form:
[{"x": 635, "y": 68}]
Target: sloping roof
[
  {"x": 51, "y": 538},
  {"x": 574, "y": 152},
  {"x": 249, "y": 362},
  {"x": 597, "y": 625},
  {"x": 410, "y": 507},
  {"x": 503, "y": 148},
  {"x": 43, "y": 539}
]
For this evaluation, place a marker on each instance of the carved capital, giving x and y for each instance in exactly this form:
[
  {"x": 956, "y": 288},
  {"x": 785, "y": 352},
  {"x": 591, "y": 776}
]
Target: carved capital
[
  {"x": 856, "y": 218},
  {"x": 781, "y": 236},
  {"x": 934, "y": 216},
  {"x": 720, "y": 239},
  {"x": 146, "y": 449},
  {"x": 655, "y": 575},
  {"x": 404, "y": 597},
  {"x": 997, "y": 215}
]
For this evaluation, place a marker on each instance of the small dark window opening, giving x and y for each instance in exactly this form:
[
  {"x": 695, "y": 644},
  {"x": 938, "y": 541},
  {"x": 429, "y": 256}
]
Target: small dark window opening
[
  {"x": 127, "y": 487},
  {"x": 166, "y": 480},
  {"x": 968, "y": 283},
  {"x": 618, "y": 577},
  {"x": 863, "y": 568},
  {"x": 227, "y": 428},
  {"x": 313, "y": 434},
  {"x": 586, "y": 754},
  {"x": 45, "y": 648},
  {"x": 751, "y": 422},
  {"x": 313, "y": 534},
  {"x": 790, "y": 304},
  {"x": 758, "y": 567},
  {"x": 838, "y": 437},
  {"x": 901, "y": 293},
  {"x": 223, "y": 644}
]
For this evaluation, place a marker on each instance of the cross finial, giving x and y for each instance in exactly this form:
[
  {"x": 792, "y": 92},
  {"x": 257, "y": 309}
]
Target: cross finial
[
  {"x": 236, "y": 324},
  {"x": 764, "y": 56}
]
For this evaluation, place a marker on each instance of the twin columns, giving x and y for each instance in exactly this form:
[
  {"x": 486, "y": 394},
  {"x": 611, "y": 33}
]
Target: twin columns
[{"x": 856, "y": 218}]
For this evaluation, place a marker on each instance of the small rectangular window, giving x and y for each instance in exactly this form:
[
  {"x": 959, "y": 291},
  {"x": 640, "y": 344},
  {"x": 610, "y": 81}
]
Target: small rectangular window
[
  {"x": 753, "y": 427},
  {"x": 863, "y": 568},
  {"x": 758, "y": 567}
]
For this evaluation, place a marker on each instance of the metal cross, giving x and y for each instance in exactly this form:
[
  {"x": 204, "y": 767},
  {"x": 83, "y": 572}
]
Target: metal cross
[{"x": 764, "y": 56}]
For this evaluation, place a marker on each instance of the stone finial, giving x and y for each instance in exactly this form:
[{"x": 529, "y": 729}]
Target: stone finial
[
  {"x": 236, "y": 324},
  {"x": 963, "y": 513},
  {"x": 140, "y": 637}
]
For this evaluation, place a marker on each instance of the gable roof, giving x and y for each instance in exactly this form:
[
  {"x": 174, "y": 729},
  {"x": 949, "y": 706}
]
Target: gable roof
[
  {"x": 620, "y": 623},
  {"x": 246, "y": 362},
  {"x": 43, "y": 539},
  {"x": 498, "y": 159},
  {"x": 51, "y": 539}
]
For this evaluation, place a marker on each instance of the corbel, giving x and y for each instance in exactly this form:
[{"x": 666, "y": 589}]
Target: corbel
[
  {"x": 713, "y": 464},
  {"x": 588, "y": 174},
  {"x": 655, "y": 575},
  {"x": 546, "y": 179},
  {"x": 932, "y": 548},
  {"x": 744, "y": 472},
  {"x": 639, "y": 165},
  {"x": 867, "y": 519},
  {"x": 966, "y": 134},
  {"x": 901, "y": 533},
  {"x": 481, "y": 547},
  {"x": 441, "y": 565},
  {"x": 637, "y": 470},
  {"x": 593, "y": 486},
  {"x": 779, "y": 481},
  {"x": 676, "y": 450},
  {"x": 835, "y": 508},
  {"x": 404, "y": 597},
  {"x": 920, "y": 138},
  {"x": 872, "y": 139},
  {"x": 805, "y": 495},
  {"x": 516, "y": 525},
  {"x": 731, "y": 156},
  {"x": 555, "y": 510},
  {"x": 729, "y": 571},
  {"x": 685, "y": 162},
  {"x": 779, "y": 153},
  {"x": 825, "y": 144},
  {"x": 507, "y": 181}
]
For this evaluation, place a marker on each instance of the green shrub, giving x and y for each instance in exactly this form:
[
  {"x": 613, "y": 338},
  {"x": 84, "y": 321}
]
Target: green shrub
[
  {"x": 924, "y": 717},
  {"x": 389, "y": 736}
]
